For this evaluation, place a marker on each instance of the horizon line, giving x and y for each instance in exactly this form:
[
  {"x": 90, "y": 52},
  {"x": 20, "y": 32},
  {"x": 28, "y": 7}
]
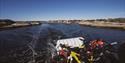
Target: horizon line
[{"x": 61, "y": 19}]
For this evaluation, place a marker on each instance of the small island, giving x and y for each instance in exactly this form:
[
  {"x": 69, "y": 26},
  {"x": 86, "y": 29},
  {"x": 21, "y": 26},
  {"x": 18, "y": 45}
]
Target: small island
[{"x": 9, "y": 24}]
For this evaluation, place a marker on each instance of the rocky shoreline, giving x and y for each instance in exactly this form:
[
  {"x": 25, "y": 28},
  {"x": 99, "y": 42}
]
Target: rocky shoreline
[
  {"x": 18, "y": 24},
  {"x": 13, "y": 27},
  {"x": 110, "y": 25}
]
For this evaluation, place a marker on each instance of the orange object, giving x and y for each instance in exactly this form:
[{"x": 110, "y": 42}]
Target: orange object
[{"x": 95, "y": 43}]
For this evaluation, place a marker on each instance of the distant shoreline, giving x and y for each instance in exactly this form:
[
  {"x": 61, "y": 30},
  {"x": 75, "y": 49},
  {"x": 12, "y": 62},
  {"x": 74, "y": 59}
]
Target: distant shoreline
[
  {"x": 104, "y": 27},
  {"x": 109, "y": 25},
  {"x": 86, "y": 25},
  {"x": 14, "y": 27},
  {"x": 96, "y": 24}
]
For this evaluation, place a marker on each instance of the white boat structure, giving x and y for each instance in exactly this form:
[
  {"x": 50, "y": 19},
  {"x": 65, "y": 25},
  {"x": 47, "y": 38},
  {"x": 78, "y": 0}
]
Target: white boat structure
[{"x": 71, "y": 42}]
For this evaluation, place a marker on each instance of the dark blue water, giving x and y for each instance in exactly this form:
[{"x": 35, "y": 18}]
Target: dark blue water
[
  {"x": 92, "y": 33},
  {"x": 31, "y": 44}
]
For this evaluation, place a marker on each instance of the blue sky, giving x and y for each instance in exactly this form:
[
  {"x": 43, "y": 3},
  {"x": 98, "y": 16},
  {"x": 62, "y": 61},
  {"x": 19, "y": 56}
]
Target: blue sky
[{"x": 61, "y": 9}]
